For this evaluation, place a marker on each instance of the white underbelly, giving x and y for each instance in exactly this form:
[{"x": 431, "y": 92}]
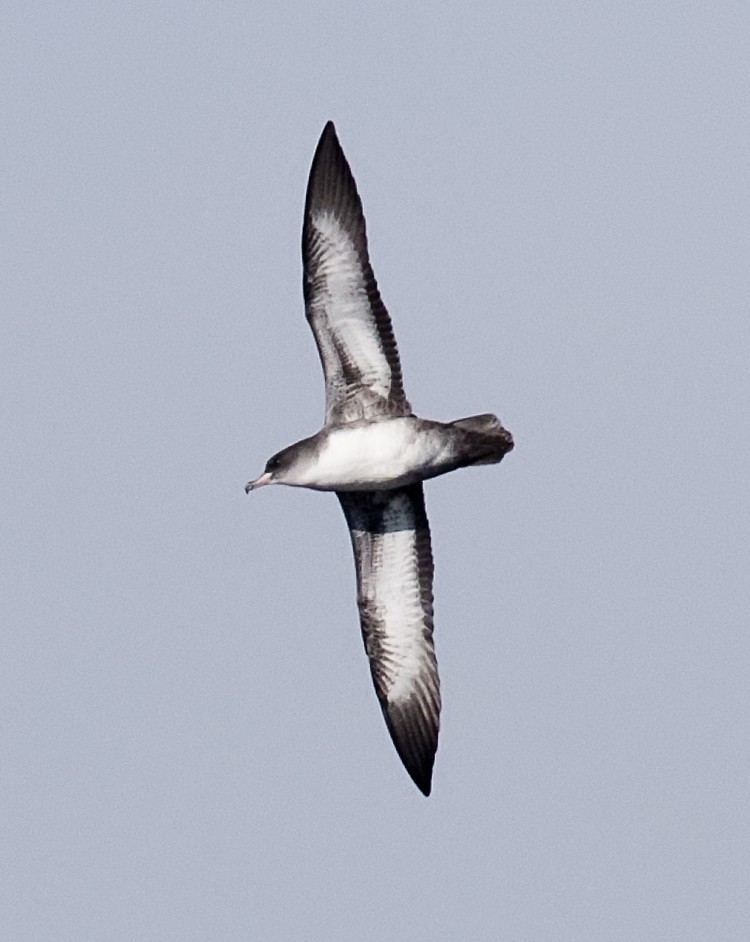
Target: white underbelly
[{"x": 382, "y": 454}]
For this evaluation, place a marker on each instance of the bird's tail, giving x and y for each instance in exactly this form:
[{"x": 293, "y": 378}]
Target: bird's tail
[{"x": 487, "y": 438}]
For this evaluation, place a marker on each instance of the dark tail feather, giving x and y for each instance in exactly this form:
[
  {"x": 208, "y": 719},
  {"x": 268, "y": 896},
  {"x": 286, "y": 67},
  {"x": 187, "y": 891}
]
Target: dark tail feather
[
  {"x": 487, "y": 423},
  {"x": 488, "y": 440}
]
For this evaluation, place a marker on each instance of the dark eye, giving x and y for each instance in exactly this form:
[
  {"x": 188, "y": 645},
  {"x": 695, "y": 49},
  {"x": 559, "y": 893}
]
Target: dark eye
[{"x": 273, "y": 463}]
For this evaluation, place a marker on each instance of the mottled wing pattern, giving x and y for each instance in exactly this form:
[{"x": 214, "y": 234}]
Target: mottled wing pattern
[
  {"x": 391, "y": 539},
  {"x": 351, "y": 325}
]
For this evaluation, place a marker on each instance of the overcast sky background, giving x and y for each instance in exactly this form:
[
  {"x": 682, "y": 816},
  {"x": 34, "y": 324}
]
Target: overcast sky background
[{"x": 559, "y": 214}]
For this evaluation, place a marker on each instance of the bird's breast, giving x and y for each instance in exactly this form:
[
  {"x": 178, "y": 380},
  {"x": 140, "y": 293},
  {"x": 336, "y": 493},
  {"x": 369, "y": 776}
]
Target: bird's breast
[{"x": 377, "y": 455}]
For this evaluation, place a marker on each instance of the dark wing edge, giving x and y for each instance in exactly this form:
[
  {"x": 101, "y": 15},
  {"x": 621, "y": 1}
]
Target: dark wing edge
[
  {"x": 331, "y": 190},
  {"x": 393, "y": 556}
]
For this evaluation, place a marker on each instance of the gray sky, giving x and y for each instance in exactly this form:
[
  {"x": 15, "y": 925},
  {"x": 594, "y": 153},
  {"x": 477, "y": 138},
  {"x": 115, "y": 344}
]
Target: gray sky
[{"x": 558, "y": 206}]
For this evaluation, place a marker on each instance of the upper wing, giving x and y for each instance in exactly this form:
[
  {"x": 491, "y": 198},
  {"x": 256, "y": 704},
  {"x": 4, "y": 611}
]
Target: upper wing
[
  {"x": 391, "y": 540},
  {"x": 351, "y": 325}
]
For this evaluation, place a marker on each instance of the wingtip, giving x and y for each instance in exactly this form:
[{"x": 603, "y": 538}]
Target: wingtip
[
  {"x": 331, "y": 185},
  {"x": 422, "y": 777},
  {"x": 416, "y": 744},
  {"x": 328, "y": 134}
]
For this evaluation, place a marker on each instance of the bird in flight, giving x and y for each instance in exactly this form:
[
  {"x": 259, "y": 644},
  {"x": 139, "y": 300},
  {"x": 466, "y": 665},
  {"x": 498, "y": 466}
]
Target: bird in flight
[{"x": 374, "y": 453}]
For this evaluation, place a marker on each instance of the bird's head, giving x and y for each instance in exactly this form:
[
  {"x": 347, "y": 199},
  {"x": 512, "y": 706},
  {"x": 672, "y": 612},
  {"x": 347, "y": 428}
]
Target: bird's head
[
  {"x": 272, "y": 472},
  {"x": 286, "y": 466}
]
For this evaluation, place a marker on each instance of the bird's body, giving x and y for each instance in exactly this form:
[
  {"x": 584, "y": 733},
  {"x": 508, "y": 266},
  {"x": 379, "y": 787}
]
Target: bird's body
[
  {"x": 375, "y": 453},
  {"x": 385, "y": 453}
]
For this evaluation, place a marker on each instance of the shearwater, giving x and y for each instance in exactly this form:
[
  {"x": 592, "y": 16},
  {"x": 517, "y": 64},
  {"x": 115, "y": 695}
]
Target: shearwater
[{"x": 375, "y": 453}]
